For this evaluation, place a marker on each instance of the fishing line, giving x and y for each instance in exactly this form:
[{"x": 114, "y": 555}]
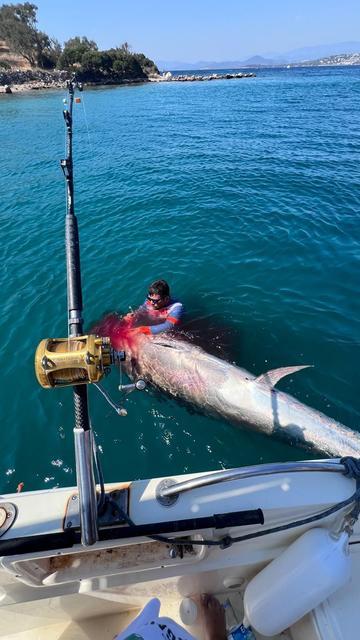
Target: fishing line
[
  {"x": 87, "y": 125},
  {"x": 65, "y": 136}
]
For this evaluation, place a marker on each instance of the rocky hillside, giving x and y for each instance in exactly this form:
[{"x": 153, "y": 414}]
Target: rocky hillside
[{"x": 10, "y": 60}]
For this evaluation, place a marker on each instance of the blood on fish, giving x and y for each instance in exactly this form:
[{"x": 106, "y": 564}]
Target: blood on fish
[
  {"x": 122, "y": 333},
  {"x": 220, "y": 389}
]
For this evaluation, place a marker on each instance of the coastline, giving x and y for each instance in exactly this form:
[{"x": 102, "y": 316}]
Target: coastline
[
  {"x": 43, "y": 86},
  {"x": 22, "y": 81}
]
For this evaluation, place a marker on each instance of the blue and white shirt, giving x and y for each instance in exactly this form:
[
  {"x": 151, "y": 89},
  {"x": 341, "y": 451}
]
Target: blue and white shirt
[{"x": 165, "y": 318}]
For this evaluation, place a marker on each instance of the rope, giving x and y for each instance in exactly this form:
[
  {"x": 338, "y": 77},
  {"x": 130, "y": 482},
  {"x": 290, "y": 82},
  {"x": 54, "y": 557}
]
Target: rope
[
  {"x": 352, "y": 467},
  {"x": 352, "y": 470}
]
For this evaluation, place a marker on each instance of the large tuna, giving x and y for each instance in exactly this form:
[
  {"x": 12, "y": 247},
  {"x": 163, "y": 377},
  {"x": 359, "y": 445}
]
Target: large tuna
[{"x": 220, "y": 389}]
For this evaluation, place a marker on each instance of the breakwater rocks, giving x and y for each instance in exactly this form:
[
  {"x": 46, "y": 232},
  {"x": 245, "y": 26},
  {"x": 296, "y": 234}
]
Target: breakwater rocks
[
  {"x": 16, "y": 80},
  {"x": 169, "y": 77},
  {"x": 32, "y": 79}
]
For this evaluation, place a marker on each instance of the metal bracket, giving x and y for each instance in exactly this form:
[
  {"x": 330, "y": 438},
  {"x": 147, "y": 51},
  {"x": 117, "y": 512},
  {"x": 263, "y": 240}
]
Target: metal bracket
[
  {"x": 140, "y": 385},
  {"x": 166, "y": 501},
  {"x": 115, "y": 503},
  {"x": 8, "y": 513}
]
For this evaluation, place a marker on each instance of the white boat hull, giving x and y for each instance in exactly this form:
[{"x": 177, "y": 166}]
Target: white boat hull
[{"x": 80, "y": 592}]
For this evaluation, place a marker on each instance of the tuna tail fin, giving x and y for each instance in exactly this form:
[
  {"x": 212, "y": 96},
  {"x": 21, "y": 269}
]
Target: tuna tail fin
[{"x": 272, "y": 377}]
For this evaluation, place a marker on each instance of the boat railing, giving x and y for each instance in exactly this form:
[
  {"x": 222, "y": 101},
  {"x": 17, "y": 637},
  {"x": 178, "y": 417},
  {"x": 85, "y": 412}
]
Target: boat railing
[{"x": 168, "y": 490}]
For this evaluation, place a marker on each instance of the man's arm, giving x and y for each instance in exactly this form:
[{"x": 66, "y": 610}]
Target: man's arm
[
  {"x": 132, "y": 314},
  {"x": 171, "y": 321}
]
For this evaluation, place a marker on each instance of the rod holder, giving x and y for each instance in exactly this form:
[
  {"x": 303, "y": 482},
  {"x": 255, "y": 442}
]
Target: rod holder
[{"x": 86, "y": 486}]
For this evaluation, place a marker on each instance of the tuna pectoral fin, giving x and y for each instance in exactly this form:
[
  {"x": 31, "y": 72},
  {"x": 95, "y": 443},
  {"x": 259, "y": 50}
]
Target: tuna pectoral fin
[{"x": 272, "y": 377}]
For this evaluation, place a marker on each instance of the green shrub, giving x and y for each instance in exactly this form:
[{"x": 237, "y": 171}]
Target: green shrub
[
  {"x": 5, "y": 64},
  {"x": 73, "y": 52}
]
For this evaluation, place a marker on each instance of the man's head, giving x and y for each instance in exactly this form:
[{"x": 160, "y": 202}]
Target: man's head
[{"x": 159, "y": 293}]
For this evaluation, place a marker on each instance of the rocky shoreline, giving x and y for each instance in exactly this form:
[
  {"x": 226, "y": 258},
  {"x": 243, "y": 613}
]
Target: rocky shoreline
[
  {"x": 27, "y": 80},
  {"x": 19, "y": 80}
]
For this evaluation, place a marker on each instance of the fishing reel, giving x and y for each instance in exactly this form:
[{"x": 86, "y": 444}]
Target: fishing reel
[{"x": 63, "y": 362}]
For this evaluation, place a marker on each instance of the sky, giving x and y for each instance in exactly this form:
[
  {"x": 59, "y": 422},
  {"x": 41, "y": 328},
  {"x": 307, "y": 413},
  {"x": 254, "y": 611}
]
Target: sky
[{"x": 193, "y": 30}]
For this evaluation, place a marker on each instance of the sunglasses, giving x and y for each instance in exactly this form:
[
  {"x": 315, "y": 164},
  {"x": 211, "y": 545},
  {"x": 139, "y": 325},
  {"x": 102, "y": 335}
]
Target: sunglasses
[{"x": 154, "y": 300}]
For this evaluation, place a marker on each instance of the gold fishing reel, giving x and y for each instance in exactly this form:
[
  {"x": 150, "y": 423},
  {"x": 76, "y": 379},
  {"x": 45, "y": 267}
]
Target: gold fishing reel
[{"x": 61, "y": 362}]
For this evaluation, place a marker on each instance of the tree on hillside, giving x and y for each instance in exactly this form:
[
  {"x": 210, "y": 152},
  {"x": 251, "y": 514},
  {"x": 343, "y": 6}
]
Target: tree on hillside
[
  {"x": 126, "y": 65},
  {"x": 49, "y": 51},
  {"x": 74, "y": 50},
  {"x": 125, "y": 47},
  {"x": 96, "y": 62},
  {"x": 147, "y": 65},
  {"x": 18, "y": 29},
  {"x": 114, "y": 65}
]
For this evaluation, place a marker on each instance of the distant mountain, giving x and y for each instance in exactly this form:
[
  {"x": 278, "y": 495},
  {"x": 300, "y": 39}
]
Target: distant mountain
[
  {"x": 176, "y": 65},
  {"x": 289, "y": 57},
  {"x": 321, "y": 51},
  {"x": 172, "y": 65},
  {"x": 257, "y": 61}
]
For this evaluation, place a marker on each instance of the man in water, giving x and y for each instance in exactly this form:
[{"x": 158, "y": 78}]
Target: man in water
[{"x": 159, "y": 312}]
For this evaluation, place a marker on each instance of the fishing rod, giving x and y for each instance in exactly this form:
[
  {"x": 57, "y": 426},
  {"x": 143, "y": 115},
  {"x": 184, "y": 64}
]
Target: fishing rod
[
  {"x": 73, "y": 268},
  {"x": 82, "y": 430},
  {"x": 78, "y": 359}
]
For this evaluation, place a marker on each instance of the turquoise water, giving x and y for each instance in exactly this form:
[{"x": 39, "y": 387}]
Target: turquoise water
[{"x": 244, "y": 194}]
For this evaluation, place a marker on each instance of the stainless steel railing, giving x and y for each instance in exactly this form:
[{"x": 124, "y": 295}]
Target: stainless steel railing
[{"x": 167, "y": 492}]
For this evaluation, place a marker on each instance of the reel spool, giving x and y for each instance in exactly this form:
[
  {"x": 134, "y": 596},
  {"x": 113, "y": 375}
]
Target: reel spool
[{"x": 63, "y": 362}]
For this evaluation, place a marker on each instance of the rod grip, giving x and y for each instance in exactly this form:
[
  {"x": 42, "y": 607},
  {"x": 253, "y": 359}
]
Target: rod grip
[{"x": 73, "y": 269}]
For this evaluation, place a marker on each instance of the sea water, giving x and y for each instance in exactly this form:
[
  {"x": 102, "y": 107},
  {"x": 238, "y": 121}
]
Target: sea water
[{"x": 244, "y": 195}]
